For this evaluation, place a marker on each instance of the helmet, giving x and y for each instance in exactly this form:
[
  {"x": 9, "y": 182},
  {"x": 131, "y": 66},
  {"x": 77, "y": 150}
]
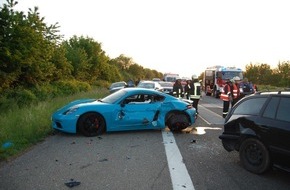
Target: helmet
[
  {"x": 236, "y": 78},
  {"x": 194, "y": 77}
]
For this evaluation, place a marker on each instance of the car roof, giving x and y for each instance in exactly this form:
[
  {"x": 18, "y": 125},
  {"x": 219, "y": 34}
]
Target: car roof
[
  {"x": 142, "y": 90},
  {"x": 148, "y": 81},
  {"x": 265, "y": 93}
]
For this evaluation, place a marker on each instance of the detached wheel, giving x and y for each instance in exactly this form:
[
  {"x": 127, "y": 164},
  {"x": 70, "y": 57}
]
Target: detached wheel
[
  {"x": 177, "y": 122},
  {"x": 254, "y": 156},
  {"x": 91, "y": 124}
]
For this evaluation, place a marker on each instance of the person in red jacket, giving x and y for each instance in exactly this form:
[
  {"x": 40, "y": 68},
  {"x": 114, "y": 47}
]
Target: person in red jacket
[{"x": 229, "y": 93}]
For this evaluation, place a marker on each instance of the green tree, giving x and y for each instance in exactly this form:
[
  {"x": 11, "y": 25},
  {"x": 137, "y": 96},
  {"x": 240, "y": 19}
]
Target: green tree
[
  {"x": 259, "y": 73},
  {"x": 264, "y": 73},
  {"x": 137, "y": 71},
  {"x": 123, "y": 62},
  {"x": 283, "y": 72},
  {"x": 87, "y": 58},
  {"x": 26, "y": 47},
  {"x": 63, "y": 68}
]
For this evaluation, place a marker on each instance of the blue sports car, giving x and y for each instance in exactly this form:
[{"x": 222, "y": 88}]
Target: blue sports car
[{"x": 126, "y": 109}]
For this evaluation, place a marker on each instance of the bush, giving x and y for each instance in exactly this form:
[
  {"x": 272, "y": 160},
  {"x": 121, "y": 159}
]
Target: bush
[
  {"x": 71, "y": 87},
  {"x": 102, "y": 83},
  {"x": 20, "y": 97},
  {"x": 45, "y": 91}
]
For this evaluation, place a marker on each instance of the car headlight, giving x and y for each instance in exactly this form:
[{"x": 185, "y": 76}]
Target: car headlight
[{"x": 71, "y": 110}]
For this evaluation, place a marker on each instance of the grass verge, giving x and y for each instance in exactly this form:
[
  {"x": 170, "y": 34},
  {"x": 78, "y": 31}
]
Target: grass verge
[{"x": 22, "y": 128}]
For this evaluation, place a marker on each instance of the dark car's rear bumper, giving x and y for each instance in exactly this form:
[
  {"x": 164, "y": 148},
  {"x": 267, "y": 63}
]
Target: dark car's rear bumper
[{"x": 230, "y": 141}]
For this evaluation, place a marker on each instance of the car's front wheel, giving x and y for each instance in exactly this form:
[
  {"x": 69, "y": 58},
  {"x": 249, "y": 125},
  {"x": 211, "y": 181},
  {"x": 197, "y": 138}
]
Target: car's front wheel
[
  {"x": 254, "y": 156},
  {"x": 177, "y": 122},
  {"x": 91, "y": 124}
]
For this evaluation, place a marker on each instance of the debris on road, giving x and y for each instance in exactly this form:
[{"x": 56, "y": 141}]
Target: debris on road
[
  {"x": 72, "y": 183},
  {"x": 103, "y": 160}
]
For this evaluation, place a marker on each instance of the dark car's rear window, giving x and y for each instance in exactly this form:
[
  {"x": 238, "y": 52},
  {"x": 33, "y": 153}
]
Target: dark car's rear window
[{"x": 250, "y": 106}]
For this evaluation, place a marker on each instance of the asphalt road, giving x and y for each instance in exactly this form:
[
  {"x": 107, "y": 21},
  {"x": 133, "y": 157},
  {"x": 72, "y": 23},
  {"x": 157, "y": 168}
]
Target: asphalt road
[{"x": 139, "y": 160}]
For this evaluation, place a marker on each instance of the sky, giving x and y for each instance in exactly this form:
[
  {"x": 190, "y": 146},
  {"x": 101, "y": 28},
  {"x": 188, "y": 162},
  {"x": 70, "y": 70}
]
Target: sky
[{"x": 177, "y": 36}]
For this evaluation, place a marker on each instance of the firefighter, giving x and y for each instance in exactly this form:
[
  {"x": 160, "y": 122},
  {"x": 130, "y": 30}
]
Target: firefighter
[
  {"x": 195, "y": 92},
  {"x": 177, "y": 88},
  {"x": 188, "y": 89},
  {"x": 229, "y": 93},
  {"x": 238, "y": 97}
]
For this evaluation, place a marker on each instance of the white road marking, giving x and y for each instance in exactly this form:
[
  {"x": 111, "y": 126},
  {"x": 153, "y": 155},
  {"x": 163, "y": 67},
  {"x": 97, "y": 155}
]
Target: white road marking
[
  {"x": 213, "y": 118},
  {"x": 178, "y": 171},
  {"x": 205, "y": 107},
  {"x": 204, "y": 120}
]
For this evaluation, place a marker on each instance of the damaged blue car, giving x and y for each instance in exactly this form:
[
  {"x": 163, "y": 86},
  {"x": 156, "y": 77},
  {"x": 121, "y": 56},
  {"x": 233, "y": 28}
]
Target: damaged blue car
[{"x": 126, "y": 109}]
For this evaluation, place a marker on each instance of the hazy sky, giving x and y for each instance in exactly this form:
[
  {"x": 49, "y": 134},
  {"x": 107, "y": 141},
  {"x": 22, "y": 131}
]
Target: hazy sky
[{"x": 180, "y": 36}]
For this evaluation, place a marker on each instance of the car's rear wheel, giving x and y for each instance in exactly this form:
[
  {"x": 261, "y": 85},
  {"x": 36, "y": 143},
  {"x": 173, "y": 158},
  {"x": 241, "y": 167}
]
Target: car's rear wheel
[
  {"x": 177, "y": 122},
  {"x": 91, "y": 124},
  {"x": 254, "y": 156}
]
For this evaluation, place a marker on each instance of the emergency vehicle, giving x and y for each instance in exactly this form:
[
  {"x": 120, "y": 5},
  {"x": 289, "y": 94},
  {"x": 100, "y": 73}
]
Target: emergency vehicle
[
  {"x": 170, "y": 77},
  {"x": 215, "y": 78}
]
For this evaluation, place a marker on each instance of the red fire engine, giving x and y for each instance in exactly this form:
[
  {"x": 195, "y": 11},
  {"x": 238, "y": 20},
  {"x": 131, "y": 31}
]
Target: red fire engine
[{"x": 215, "y": 78}]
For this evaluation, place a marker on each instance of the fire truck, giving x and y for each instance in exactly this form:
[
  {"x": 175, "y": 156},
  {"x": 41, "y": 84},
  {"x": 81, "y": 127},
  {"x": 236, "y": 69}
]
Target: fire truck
[{"x": 215, "y": 78}]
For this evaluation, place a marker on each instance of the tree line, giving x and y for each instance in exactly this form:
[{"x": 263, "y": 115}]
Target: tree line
[{"x": 37, "y": 63}]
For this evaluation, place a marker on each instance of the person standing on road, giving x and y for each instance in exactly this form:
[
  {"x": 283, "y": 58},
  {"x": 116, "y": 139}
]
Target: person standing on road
[
  {"x": 247, "y": 88},
  {"x": 237, "y": 86},
  {"x": 188, "y": 89},
  {"x": 229, "y": 93},
  {"x": 177, "y": 88},
  {"x": 195, "y": 92}
]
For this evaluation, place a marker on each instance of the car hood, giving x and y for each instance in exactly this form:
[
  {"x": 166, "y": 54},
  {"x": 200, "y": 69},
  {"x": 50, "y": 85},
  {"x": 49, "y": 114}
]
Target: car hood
[{"x": 74, "y": 103}]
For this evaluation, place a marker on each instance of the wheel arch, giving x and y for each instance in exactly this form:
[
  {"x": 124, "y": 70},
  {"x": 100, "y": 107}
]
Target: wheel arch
[
  {"x": 78, "y": 120},
  {"x": 174, "y": 112},
  {"x": 257, "y": 168}
]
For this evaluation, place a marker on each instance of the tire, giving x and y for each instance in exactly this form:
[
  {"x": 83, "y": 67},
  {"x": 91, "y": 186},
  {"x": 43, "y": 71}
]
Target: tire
[
  {"x": 91, "y": 124},
  {"x": 177, "y": 122},
  {"x": 254, "y": 156}
]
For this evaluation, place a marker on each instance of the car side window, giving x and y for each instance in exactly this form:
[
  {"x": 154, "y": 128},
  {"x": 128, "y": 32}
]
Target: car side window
[
  {"x": 158, "y": 98},
  {"x": 271, "y": 108},
  {"x": 283, "y": 109},
  {"x": 250, "y": 107},
  {"x": 137, "y": 99}
]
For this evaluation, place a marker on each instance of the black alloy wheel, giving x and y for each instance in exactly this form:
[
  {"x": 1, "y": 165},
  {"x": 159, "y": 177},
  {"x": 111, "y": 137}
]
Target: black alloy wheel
[{"x": 91, "y": 124}]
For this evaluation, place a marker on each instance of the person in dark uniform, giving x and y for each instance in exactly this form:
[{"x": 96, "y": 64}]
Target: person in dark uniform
[{"x": 178, "y": 89}]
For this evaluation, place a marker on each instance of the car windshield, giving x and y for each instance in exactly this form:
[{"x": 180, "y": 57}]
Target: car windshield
[
  {"x": 231, "y": 74},
  {"x": 112, "y": 98}
]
